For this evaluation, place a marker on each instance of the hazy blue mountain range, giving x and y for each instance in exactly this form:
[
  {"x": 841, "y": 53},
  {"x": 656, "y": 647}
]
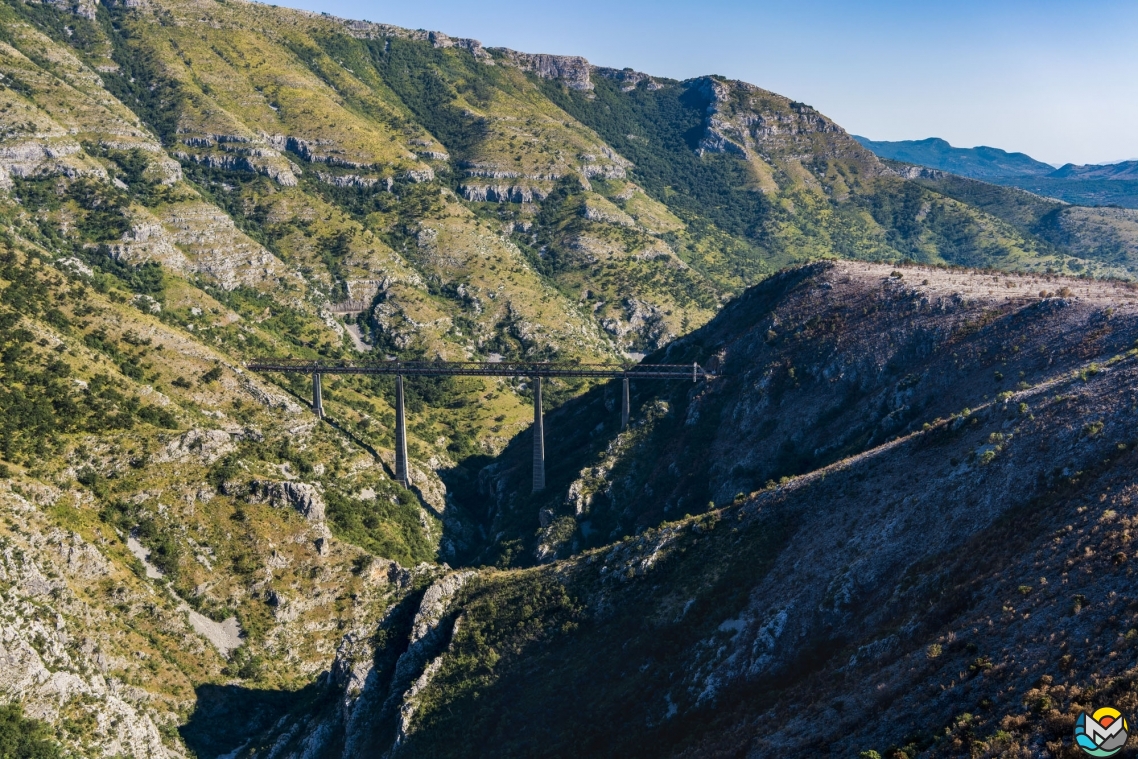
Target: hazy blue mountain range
[
  {"x": 1124, "y": 170},
  {"x": 1091, "y": 185},
  {"x": 979, "y": 163}
]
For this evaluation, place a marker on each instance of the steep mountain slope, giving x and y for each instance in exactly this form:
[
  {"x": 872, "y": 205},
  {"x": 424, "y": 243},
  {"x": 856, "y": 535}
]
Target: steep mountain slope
[
  {"x": 125, "y": 435},
  {"x": 967, "y": 572},
  {"x": 813, "y": 386},
  {"x": 186, "y": 184},
  {"x": 782, "y": 177}
]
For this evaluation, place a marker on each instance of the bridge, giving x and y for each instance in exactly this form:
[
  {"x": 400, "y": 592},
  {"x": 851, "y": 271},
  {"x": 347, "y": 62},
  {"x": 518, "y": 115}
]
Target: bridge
[
  {"x": 534, "y": 370},
  {"x": 351, "y": 307}
]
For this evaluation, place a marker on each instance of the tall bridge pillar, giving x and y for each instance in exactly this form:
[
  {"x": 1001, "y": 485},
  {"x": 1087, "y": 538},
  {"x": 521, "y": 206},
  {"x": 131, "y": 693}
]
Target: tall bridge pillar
[
  {"x": 534, "y": 370},
  {"x": 317, "y": 396},
  {"x": 624, "y": 405},
  {"x": 402, "y": 471},
  {"x": 538, "y": 439}
]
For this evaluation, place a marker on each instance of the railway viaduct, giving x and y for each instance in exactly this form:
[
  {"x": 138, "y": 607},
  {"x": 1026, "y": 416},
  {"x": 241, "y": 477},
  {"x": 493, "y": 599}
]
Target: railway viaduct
[{"x": 535, "y": 371}]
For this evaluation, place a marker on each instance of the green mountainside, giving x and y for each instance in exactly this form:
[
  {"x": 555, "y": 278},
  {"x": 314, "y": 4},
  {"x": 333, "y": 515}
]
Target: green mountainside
[
  {"x": 1105, "y": 234},
  {"x": 192, "y": 564}
]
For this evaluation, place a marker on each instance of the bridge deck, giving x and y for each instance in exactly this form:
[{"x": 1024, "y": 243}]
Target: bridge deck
[
  {"x": 482, "y": 368},
  {"x": 535, "y": 370}
]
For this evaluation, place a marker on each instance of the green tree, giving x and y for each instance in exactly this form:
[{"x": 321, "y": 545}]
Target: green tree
[{"x": 22, "y": 738}]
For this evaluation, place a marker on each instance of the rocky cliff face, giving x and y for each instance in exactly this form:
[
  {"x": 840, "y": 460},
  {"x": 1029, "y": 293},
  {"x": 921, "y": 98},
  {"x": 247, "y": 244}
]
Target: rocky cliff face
[
  {"x": 573, "y": 70},
  {"x": 744, "y": 120}
]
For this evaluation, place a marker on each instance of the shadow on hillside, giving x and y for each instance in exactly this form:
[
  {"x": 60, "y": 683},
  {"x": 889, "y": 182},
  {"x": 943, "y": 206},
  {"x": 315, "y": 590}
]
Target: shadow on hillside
[
  {"x": 495, "y": 492},
  {"x": 666, "y": 475},
  {"x": 229, "y": 717}
]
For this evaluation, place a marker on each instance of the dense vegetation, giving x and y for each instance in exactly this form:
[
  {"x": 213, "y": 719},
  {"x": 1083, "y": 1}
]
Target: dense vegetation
[
  {"x": 658, "y": 130},
  {"x": 38, "y": 399},
  {"x": 23, "y": 738}
]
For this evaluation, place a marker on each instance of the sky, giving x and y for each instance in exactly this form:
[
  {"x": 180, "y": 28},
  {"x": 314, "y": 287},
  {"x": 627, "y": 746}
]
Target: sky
[{"x": 1055, "y": 80}]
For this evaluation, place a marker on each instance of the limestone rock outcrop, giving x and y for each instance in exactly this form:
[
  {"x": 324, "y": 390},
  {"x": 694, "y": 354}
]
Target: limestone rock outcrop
[
  {"x": 573, "y": 70},
  {"x": 304, "y": 497}
]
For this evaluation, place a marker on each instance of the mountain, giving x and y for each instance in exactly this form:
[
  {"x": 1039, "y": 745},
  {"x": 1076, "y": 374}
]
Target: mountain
[
  {"x": 191, "y": 563},
  {"x": 1123, "y": 170},
  {"x": 979, "y": 163},
  {"x": 1087, "y": 191},
  {"x": 1091, "y": 185},
  {"x": 923, "y": 487},
  {"x": 1103, "y": 233}
]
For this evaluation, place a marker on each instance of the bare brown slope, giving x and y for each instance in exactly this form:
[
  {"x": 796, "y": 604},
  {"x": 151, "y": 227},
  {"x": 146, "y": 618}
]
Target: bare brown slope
[
  {"x": 817, "y": 363},
  {"x": 823, "y": 615}
]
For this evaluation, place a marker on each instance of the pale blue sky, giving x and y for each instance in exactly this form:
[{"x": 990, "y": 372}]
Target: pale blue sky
[{"x": 1056, "y": 80}]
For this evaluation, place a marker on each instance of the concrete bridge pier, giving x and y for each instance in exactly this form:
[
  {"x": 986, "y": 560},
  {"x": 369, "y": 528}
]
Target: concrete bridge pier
[
  {"x": 317, "y": 396},
  {"x": 402, "y": 471},
  {"x": 538, "y": 439},
  {"x": 624, "y": 405},
  {"x": 498, "y": 368}
]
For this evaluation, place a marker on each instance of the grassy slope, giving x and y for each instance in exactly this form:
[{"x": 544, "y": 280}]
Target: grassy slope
[
  {"x": 1105, "y": 238},
  {"x": 99, "y": 398},
  {"x": 772, "y": 208}
]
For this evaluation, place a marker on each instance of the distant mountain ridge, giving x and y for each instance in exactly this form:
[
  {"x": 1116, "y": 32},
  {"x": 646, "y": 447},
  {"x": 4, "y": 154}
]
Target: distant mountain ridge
[
  {"x": 1088, "y": 185},
  {"x": 1124, "y": 170},
  {"x": 980, "y": 162}
]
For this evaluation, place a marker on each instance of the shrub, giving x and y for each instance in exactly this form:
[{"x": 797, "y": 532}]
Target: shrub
[
  {"x": 24, "y": 738},
  {"x": 362, "y": 563},
  {"x": 159, "y": 417},
  {"x": 981, "y": 664}
]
